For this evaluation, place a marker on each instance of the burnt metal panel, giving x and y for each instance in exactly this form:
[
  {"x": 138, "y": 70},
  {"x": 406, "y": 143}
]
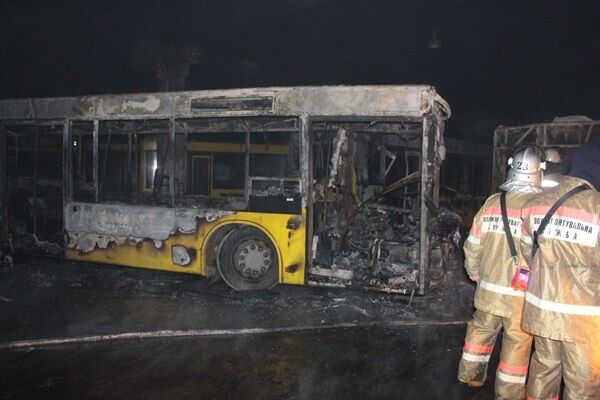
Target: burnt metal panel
[
  {"x": 34, "y": 208},
  {"x": 95, "y": 159},
  {"x": 247, "y": 183},
  {"x": 368, "y": 101},
  {"x": 57, "y": 108},
  {"x": 348, "y": 100},
  {"x": 172, "y": 164},
  {"x": 431, "y": 156},
  {"x": 92, "y": 225},
  {"x": 306, "y": 188},
  {"x": 3, "y": 190},
  {"x": 305, "y": 159},
  {"x": 232, "y": 104},
  {"x": 67, "y": 161},
  {"x": 426, "y": 195}
]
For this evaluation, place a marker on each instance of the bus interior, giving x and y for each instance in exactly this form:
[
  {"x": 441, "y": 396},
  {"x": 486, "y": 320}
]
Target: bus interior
[{"x": 367, "y": 203}]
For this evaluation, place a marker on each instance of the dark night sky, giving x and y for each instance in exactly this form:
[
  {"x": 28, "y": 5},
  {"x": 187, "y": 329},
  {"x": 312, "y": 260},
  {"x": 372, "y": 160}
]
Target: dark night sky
[{"x": 502, "y": 62}]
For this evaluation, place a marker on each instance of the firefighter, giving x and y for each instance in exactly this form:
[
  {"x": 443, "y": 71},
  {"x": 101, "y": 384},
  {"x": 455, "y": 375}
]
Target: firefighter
[
  {"x": 562, "y": 302},
  {"x": 491, "y": 260}
]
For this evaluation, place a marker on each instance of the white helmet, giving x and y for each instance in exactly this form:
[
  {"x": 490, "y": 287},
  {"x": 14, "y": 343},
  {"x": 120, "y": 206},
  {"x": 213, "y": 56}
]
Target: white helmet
[{"x": 526, "y": 171}]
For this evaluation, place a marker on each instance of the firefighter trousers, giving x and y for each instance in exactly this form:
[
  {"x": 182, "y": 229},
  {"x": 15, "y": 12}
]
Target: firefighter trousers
[
  {"x": 511, "y": 375},
  {"x": 578, "y": 364}
]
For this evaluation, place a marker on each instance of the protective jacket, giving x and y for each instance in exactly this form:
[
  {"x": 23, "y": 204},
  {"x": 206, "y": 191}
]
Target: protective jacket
[
  {"x": 562, "y": 301},
  {"x": 487, "y": 254},
  {"x": 498, "y": 305}
]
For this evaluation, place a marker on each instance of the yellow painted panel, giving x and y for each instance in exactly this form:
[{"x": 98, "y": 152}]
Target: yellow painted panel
[
  {"x": 290, "y": 245},
  {"x": 226, "y": 192},
  {"x": 142, "y": 255},
  {"x": 217, "y": 147}
]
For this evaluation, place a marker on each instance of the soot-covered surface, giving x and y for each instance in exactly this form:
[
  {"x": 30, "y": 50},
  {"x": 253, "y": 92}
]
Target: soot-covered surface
[
  {"x": 44, "y": 298},
  {"x": 356, "y": 363},
  {"x": 389, "y": 346}
]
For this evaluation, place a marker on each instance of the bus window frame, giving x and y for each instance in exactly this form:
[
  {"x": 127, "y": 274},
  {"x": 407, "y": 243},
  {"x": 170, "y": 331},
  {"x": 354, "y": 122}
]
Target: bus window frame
[
  {"x": 68, "y": 162},
  {"x": 247, "y": 146},
  {"x": 208, "y": 157}
]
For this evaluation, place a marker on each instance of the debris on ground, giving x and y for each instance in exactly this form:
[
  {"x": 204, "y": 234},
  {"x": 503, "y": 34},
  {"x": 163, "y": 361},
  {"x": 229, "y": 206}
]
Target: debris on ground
[{"x": 42, "y": 296}]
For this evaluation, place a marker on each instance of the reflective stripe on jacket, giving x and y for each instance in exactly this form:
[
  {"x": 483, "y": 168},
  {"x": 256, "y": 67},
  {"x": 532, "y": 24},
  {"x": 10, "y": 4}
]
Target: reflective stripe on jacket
[
  {"x": 487, "y": 255},
  {"x": 563, "y": 298}
]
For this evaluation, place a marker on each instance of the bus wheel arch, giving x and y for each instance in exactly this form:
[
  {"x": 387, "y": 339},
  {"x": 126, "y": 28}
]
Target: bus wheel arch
[
  {"x": 211, "y": 248},
  {"x": 246, "y": 257}
]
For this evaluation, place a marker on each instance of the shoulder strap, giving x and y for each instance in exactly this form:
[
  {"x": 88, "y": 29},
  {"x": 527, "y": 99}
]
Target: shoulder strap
[
  {"x": 551, "y": 212},
  {"x": 509, "y": 237}
]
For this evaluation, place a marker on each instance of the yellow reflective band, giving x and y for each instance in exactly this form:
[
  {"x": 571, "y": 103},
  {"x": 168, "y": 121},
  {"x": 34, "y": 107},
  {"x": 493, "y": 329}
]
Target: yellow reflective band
[
  {"x": 473, "y": 239},
  {"x": 562, "y": 308},
  {"x": 510, "y": 378},
  {"x": 500, "y": 289},
  {"x": 472, "y": 357}
]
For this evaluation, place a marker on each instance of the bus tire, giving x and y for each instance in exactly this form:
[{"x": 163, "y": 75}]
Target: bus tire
[{"x": 248, "y": 260}]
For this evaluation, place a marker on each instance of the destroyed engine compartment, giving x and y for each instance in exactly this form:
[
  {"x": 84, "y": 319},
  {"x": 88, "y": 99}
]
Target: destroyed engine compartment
[{"x": 367, "y": 209}]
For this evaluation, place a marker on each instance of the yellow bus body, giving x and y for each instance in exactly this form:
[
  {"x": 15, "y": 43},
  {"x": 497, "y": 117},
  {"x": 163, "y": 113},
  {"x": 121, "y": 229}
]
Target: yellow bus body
[{"x": 289, "y": 243}]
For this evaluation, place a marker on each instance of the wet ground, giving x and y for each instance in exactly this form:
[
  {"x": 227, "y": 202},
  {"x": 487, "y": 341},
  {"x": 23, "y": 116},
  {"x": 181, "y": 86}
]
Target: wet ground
[{"x": 204, "y": 341}]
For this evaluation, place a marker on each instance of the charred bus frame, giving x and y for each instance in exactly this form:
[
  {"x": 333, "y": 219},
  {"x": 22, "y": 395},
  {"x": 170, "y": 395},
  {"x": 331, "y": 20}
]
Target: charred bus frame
[
  {"x": 563, "y": 134},
  {"x": 172, "y": 231}
]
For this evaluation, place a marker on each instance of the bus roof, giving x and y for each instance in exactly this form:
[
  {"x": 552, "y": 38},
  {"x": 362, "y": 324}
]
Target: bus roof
[{"x": 405, "y": 101}]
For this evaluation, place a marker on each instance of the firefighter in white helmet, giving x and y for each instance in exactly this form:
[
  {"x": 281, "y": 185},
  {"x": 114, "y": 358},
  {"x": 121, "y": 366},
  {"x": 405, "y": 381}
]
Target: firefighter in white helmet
[
  {"x": 561, "y": 243},
  {"x": 492, "y": 260}
]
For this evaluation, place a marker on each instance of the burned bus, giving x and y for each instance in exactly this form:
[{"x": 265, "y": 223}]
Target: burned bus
[
  {"x": 325, "y": 186},
  {"x": 561, "y": 136}
]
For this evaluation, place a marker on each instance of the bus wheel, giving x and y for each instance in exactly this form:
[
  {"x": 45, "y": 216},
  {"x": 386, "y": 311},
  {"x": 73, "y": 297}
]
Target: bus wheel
[{"x": 248, "y": 260}]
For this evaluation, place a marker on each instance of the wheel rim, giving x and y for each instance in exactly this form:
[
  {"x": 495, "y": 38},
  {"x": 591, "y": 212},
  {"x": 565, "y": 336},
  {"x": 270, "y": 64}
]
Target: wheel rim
[{"x": 252, "y": 258}]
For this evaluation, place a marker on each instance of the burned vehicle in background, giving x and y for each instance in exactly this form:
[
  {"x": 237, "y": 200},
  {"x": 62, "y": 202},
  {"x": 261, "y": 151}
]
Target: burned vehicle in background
[
  {"x": 465, "y": 179},
  {"x": 560, "y": 138},
  {"x": 325, "y": 186}
]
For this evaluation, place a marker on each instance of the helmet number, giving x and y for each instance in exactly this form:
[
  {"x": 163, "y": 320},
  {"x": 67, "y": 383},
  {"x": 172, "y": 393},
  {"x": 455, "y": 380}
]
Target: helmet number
[{"x": 522, "y": 166}]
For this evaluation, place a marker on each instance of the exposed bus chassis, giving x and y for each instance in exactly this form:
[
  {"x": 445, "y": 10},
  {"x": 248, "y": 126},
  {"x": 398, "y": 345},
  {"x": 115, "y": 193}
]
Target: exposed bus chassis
[
  {"x": 365, "y": 197},
  {"x": 366, "y": 229}
]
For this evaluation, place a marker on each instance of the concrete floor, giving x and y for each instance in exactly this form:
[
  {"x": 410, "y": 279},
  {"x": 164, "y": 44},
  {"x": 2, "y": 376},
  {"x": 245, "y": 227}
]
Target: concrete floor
[{"x": 310, "y": 343}]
